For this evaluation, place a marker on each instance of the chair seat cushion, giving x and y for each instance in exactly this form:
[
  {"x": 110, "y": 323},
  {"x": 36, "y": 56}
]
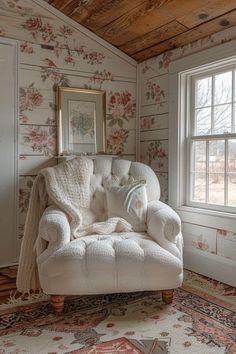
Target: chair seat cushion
[{"x": 109, "y": 263}]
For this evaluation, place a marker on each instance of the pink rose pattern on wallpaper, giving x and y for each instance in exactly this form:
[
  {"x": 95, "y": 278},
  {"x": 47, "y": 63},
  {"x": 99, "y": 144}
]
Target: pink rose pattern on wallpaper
[
  {"x": 44, "y": 32},
  {"x": 155, "y": 151},
  {"x": 154, "y": 92},
  {"x": 201, "y": 244},
  {"x": 120, "y": 108},
  {"x": 41, "y": 139},
  {"x": 56, "y": 77},
  {"x": 147, "y": 123},
  {"x": 38, "y": 28},
  {"x": 91, "y": 57},
  {"x": 100, "y": 76},
  {"x": 26, "y": 47},
  {"x": 30, "y": 98},
  {"x": 165, "y": 60},
  {"x": 163, "y": 63},
  {"x": 116, "y": 140}
]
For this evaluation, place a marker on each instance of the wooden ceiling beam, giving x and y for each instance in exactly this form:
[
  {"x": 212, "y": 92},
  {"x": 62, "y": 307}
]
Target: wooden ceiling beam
[
  {"x": 218, "y": 24},
  {"x": 154, "y": 37}
]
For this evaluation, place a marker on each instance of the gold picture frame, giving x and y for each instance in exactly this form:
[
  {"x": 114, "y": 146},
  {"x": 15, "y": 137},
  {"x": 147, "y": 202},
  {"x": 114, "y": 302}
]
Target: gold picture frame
[{"x": 81, "y": 121}]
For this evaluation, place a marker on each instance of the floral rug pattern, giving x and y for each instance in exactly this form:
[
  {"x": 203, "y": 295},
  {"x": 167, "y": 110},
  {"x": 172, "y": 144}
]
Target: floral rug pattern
[{"x": 201, "y": 320}]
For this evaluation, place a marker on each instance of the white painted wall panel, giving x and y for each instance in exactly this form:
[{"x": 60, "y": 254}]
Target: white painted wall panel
[{"x": 8, "y": 190}]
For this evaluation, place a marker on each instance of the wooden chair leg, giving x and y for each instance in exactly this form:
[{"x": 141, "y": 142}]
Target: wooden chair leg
[
  {"x": 57, "y": 302},
  {"x": 167, "y": 296}
]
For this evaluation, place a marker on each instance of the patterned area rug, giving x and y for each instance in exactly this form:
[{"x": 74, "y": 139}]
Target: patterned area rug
[{"x": 201, "y": 320}]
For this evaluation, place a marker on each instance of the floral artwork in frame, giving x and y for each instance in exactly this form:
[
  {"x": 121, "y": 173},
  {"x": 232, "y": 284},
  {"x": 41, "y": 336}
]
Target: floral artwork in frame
[{"x": 81, "y": 121}]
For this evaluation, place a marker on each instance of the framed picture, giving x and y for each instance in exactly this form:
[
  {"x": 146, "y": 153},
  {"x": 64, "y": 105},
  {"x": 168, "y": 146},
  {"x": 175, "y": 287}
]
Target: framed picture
[{"x": 81, "y": 121}]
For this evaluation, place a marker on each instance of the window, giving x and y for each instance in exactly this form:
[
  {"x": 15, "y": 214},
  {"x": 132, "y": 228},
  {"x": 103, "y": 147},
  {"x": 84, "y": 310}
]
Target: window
[
  {"x": 211, "y": 180},
  {"x": 202, "y": 137}
]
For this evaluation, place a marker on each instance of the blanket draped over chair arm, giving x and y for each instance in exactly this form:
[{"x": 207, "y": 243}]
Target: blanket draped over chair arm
[
  {"x": 54, "y": 228},
  {"x": 164, "y": 226}
]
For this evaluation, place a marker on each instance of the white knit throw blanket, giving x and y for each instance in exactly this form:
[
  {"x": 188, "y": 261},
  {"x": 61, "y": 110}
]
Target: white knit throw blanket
[{"x": 68, "y": 187}]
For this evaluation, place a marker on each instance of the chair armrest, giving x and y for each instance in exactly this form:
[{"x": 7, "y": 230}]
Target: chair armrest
[
  {"x": 164, "y": 226},
  {"x": 54, "y": 230}
]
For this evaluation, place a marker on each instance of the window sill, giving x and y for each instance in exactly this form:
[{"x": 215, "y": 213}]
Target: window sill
[{"x": 208, "y": 218}]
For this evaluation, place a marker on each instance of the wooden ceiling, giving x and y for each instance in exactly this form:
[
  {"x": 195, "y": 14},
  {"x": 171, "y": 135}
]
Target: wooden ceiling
[{"x": 145, "y": 28}]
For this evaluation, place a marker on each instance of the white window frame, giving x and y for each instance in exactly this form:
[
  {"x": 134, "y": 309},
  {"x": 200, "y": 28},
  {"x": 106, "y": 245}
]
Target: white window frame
[
  {"x": 179, "y": 81},
  {"x": 210, "y": 137}
]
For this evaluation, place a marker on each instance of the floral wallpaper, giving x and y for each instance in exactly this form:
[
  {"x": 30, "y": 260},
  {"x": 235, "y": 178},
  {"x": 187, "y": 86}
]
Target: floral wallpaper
[
  {"x": 30, "y": 98},
  {"x": 154, "y": 108},
  {"x": 52, "y": 53}
]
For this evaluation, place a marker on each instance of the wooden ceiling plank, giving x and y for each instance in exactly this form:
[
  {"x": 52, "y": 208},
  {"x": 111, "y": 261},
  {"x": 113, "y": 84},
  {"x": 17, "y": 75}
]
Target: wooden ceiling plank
[
  {"x": 71, "y": 7},
  {"x": 206, "y": 29},
  {"x": 153, "y": 51},
  {"x": 211, "y": 10},
  {"x": 146, "y": 18},
  {"x": 100, "y": 13},
  {"x": 154, "y": 37},
  {"x": 57, "y": 3}
]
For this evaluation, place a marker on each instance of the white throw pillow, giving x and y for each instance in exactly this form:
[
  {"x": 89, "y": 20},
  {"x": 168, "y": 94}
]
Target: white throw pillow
[{"x": 130, "y": 203}]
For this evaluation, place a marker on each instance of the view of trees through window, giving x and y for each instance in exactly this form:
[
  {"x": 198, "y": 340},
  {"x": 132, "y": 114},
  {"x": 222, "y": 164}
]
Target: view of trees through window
[{"x": 213, "y": 139}]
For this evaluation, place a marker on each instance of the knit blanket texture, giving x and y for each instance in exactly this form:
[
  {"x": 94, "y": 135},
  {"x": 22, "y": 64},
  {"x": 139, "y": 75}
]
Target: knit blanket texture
[{"x": 67, "y": 186}]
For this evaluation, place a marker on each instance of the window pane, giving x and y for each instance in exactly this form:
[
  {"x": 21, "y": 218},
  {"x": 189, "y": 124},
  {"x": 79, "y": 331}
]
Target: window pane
[
  {"x": 199, "y": 187},
  {"x": 232, "y": 156},
  {"x": 216, "y": 188},
  {"x": 216, "y": 156},
  {"x": 203, "y": 121},
  {"x": 223, "y": 88},
  {"x": 232, "y": 190},
  {"x": 203, "y": 94},
  {"x": 199, "y": 156},
  {"x": 222, "y": 119}
]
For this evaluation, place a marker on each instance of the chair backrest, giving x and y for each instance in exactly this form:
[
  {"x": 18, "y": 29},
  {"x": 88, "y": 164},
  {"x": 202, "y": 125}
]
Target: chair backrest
[{"x": 108, "y": 171}]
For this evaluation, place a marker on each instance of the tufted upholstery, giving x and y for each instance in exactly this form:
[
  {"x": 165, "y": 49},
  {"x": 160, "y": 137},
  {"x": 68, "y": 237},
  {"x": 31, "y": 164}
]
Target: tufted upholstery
[{"x": 120, "y": 262}]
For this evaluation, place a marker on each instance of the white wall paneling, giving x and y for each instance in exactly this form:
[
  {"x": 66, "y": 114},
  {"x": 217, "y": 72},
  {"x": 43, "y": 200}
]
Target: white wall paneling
[
  {"x": 67, "y": 55},
  {"x": 210, "y": 265},
  {"x": 8, "y": 152}
]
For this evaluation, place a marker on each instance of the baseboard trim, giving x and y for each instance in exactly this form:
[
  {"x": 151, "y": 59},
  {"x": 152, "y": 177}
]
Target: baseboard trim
[{"x": 210, "y": 265}]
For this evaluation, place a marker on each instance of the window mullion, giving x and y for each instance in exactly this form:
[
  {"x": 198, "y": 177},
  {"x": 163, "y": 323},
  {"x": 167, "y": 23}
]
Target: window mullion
[
  {"x": 214, "y": 137},
  {"x": 233, "y": 103},
  {"x": 226, "y": 173},
  {"x": 207, "y": 171},
  {"x": 212, "y": 103}
]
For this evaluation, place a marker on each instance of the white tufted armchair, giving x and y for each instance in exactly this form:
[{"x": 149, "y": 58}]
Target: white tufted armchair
[{"x": 120, "y": 262}]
